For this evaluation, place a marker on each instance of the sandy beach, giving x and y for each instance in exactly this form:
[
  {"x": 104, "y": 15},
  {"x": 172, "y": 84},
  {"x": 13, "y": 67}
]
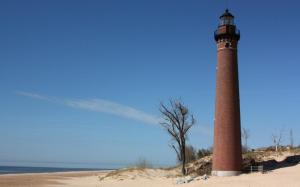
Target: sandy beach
[
  {"x": 287, "y": 177},
  {"x": 46, "y": 179}
]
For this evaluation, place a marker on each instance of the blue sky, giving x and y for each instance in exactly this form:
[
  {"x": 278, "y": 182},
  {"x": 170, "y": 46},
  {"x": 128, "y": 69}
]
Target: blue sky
[{"x": 81, "y": 81}]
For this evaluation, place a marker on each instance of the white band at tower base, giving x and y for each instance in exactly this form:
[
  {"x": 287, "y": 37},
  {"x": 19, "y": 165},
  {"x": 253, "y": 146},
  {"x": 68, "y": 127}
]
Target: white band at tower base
[{"x": 225, "y": 173}]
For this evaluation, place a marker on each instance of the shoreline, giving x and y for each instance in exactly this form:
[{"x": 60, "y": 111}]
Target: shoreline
[{"x": 57, "y": 172}]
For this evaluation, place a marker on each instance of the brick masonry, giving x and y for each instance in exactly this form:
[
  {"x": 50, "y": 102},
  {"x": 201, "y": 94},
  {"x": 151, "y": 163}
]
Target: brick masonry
[{"x": 227, "y": 154}]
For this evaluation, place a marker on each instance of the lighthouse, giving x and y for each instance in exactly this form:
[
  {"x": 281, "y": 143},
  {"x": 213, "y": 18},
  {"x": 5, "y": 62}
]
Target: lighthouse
[{"x": 227, "y": 150}]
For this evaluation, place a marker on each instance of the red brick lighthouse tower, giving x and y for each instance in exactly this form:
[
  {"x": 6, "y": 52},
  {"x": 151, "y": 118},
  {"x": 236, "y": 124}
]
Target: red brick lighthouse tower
[{"x": 227, "y": 156}]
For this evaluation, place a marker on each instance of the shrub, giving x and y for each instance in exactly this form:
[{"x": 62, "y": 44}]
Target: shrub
[
  {"x": 143, "y": 163},
  {"x": 190, "y": 154},
  {"x": 203, "y": 153}
]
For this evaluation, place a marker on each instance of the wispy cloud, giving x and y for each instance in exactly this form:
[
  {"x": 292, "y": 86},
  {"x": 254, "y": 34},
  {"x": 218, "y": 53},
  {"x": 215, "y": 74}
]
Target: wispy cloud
[
  {"x": 32, "y": 95},
  {"x": 104, "y": 106},
  {"x": 99, "y": 105}
]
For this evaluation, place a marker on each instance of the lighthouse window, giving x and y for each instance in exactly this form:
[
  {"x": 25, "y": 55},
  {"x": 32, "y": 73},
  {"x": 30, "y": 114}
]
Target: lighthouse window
[
  {"x": 226, "y": 21},
  {"x": 227, "y": 45}
]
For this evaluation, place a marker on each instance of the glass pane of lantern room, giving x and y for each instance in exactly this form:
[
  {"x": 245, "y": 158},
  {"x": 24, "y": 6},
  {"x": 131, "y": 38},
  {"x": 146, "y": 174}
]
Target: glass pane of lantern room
[
  {"x": 227, "y": 21},
  {"x": 231, "y": 21},
  {"x": 222, "y": 21}
]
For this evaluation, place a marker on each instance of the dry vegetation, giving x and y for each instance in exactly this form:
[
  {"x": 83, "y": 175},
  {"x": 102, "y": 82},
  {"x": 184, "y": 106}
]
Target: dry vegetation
[{"x": 133, "y": 173}]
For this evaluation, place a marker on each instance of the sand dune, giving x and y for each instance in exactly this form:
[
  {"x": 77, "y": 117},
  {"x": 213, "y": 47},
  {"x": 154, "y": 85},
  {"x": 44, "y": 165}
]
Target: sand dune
[{"x": 284, "y": 177}]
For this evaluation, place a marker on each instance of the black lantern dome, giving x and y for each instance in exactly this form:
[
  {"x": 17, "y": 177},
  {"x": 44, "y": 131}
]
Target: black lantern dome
[
  {"x": 227, "y": 18},
  {"x": 227, "y": 28}
]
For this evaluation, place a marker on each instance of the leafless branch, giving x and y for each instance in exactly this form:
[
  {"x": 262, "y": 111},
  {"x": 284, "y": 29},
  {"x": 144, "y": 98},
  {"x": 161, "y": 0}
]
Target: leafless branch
[{"x": 177, "y": 122}]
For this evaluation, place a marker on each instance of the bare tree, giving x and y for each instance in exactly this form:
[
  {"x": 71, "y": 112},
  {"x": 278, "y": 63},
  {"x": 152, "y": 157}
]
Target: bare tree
[
  {"x": 277, "y": 138},
  {"x": 177, "y": 122},
  {"x": 291, "y": 138},
  {"x": 245, "y": 136}
]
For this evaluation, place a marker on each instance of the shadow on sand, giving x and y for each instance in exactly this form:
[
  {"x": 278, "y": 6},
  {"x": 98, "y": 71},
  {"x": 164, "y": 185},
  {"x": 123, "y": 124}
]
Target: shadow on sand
[{"x": 271, "y": 165}]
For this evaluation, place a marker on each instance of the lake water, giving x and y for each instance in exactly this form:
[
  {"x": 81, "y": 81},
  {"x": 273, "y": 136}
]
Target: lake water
[{"x": 17, "y": 169}]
